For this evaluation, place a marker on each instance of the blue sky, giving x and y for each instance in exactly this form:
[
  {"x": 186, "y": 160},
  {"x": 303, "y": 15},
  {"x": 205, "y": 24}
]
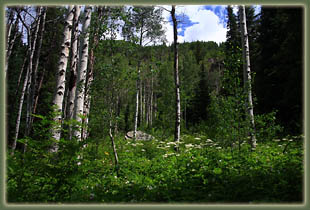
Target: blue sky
[{"x": 199, "y": 23}]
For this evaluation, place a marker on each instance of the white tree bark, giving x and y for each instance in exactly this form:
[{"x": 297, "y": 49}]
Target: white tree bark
[
  {"x": 74, "y": 61},
  {"x": 137, "y": 105},
  {"x": 80, "y": 90},
  {"x": 176, "y": 77},
  {"x": 61, "y": 77},
  {"x": 19, "y": 114},
  {"x": 247, "y": 73},
  {"x": 90, "y": 74},
  {"x": 27, "y": 80}
]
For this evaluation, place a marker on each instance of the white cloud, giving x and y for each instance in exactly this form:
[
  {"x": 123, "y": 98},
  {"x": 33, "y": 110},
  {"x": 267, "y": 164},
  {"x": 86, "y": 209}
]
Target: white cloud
[{"x": 208, "y": 27}]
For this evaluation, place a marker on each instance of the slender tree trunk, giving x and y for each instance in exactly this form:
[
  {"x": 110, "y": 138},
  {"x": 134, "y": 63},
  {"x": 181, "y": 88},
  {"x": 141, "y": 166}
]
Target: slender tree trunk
[
  {"x": 141, "y": 104},
  {"x": 30, "y": 79},
  {"x": 90, "y": 75},
  {"x": 19, "y": 114},
  {"x": 61, "y": 78},
  {"x": 247, "y": 73},
  {"x": 21, "y": 74},
  {"x": 151, "y": 102},
  {"x": 137, "y": 104},
  {"x": 35, "y": 89},
  {"x": 176, "y": 77},
  {"x": 112, "y": 140},
  {"x": 73, "y": 66},
  {"x": 80, "y": 90}
]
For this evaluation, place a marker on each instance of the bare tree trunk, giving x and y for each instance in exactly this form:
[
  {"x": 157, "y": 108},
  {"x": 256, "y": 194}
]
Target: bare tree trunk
[
  {"x": 35, "y": 89},
  {"x": 61, "y": 78},
  {"x": 151, "y": 103},
  {"x": 176, "y": 77},
  {"x": 80, "y": 90},
  {"x": 73, "y": 66},
  {"x": 137, "y": 104},
  {"x": 247, "y": 74},
  {"x": 21, "y": 101},
  {"x": 90, "y": 76},
  {"x": 112, "y": 140},
  {"x": 21, "y": 74},
  {"x": 141, "y": 103},
  {"x": 30, "y": 79}
]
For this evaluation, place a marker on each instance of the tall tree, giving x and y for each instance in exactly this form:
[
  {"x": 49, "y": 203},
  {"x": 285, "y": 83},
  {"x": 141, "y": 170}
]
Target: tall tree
[
  {"x": 143, "y": 27},
  {"x": 61, "y": 77},
  {"x": 90, "y": 74},
  {"x": 280, "y": 66},
  {"x": 81, "y": 79},
  {"x": 176, "y": 78},
  {"x": 247, "y": 73},
  {"x": 27, "y": 81},
  {"x": 73, "y": 66}
]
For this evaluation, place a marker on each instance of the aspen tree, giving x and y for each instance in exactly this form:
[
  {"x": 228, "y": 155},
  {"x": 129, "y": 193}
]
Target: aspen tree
[
  {"x": 73, "y": 65},
  {"x": 176, "y": 78},
  {"x": 61, "y": 76},
  {"x": 247, "y": 73},
  {"x": 27, "y": 81},
  {"x": 81, "y": 76}
]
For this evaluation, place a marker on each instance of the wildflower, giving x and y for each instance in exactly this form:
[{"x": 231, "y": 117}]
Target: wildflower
[
  {"x": 218, "y": 147},
  {"x": 106, "y": 153},
  {"x": 188, "y": 145},
  {"x": 79, "y": 163},
  {"x": 197, "y": 138},
  {"x": 169, "y": 143},
  {"x": 143, "y": 150},
  {"x": 209, "y": 140}
]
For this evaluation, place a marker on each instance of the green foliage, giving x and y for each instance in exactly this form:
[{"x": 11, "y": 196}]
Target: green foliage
[{"x": 153, "y": 172}]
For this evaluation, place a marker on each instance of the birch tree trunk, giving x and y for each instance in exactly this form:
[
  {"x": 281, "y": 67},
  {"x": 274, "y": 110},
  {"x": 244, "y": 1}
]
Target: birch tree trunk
[
  {"x": 30, "y": 52},
  {"x": 73, "y": 66},
  {"x": 80, "y": 90},
  {"x": 74, "y": 61},
  {"x": 21, "y": 101},
  {"x": 112, "y": 139},
  {"x": 247, "y": 73},
  {"x": 90, "y": 75},
  {"x": 176, "y": 78},
  {"x": 137, "y": 104},
  {"x": 61, "y": 77}
]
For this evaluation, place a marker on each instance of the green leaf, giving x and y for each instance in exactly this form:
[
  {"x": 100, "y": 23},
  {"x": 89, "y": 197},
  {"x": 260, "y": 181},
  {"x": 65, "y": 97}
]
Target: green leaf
[{"x": 217, "y": 171}]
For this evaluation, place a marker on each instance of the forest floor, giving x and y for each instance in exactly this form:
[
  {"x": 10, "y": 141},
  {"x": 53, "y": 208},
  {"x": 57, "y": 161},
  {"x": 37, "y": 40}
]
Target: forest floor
[{"x": 153, "y": 172}]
